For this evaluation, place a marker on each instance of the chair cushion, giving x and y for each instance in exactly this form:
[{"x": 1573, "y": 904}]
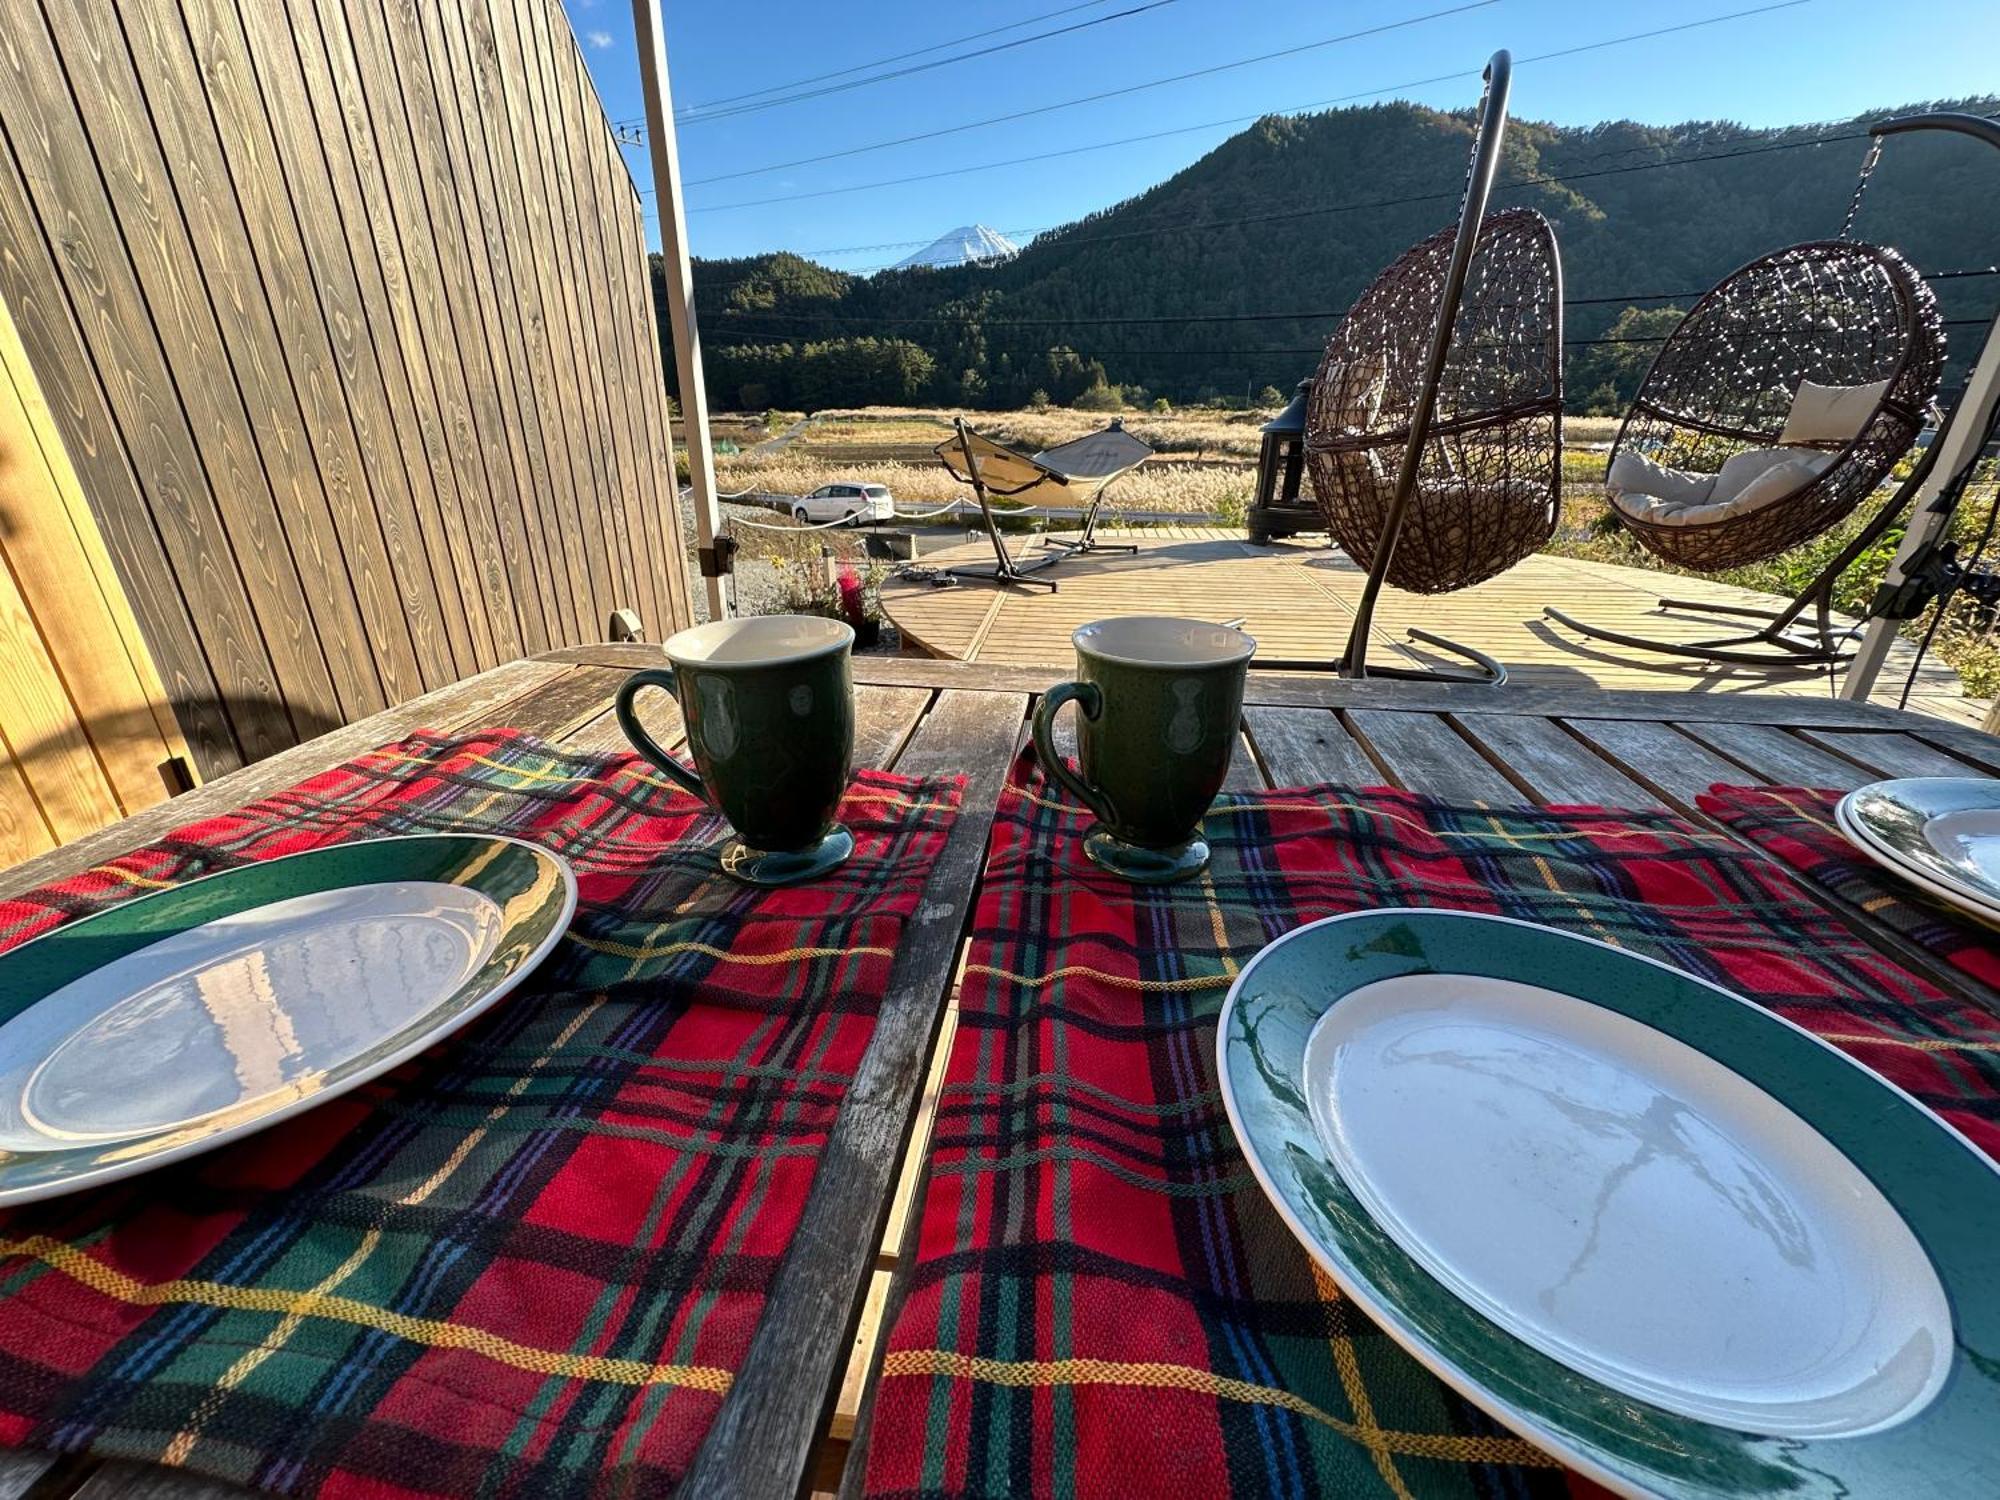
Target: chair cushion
[
  {"x": 1647, "y": 491},
  {"x": 1747, "y": 481},
  {"x": 1831, "y": 413},
  {"x": 1358, "y": 388}
]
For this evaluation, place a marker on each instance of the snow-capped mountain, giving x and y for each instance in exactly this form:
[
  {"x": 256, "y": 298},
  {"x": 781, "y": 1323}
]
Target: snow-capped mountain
[{"x": 974, "y": 244}]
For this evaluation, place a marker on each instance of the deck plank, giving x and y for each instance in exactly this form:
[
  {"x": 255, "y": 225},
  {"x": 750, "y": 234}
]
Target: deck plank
[
  {"x": 1660, "y": 758},
  {"x": 1555, "y": 768},
  {"x": 1779, "y": 757},
  {"x": 1425, "y": 754},
  {"x": 762, "y": 1439},
  {"x": 1309, "y": 746}
]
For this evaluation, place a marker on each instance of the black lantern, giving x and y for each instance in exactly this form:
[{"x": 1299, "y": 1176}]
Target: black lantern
[{"x": 1275, "y": 510}]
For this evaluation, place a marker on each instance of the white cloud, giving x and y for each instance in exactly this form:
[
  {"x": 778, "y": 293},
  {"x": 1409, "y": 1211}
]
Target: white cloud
[{"x": 601, "y": 40}]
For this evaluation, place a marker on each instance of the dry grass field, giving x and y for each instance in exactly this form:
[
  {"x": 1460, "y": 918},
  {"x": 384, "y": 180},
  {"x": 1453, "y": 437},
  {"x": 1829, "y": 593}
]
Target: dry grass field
[{"x": 1205, "y": 459}]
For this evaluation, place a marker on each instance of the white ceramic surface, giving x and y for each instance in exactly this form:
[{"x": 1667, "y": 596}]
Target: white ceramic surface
[
  {"x": 1969, "y": 838},
  {"x": 1163, "y": 641},
  {"x": 256, "y": 1006},
  {"x": 1587, "y": 1181},
  {"x": 1964, "y": 896}
]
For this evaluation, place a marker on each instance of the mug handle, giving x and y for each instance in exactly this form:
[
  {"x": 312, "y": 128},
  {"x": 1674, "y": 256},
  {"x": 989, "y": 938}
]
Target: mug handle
[
  {"x": 644, "y": 743},
  {"x": 1090, "y": 703}
]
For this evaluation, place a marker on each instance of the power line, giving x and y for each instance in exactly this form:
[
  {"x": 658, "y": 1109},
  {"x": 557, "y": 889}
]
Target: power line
[
  {"x": 925, "y": 67},
  {"x": 1117, "y": 93},
  {"x": 879, "y": 62},
  {"x": 1241, "y": 119}
]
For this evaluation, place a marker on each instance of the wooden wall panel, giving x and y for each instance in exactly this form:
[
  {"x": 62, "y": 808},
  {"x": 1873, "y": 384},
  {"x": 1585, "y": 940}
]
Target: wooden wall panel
[
  {"x": 84, "y": 723},
  {"x": 340, "y": 311}
]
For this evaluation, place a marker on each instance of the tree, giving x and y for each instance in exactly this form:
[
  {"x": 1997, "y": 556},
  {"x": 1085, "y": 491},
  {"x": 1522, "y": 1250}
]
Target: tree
[
  {"x": 1604, "y": 375},
  {"x": 1100, "y": 398},
  {"x": 1270, "y": 397}
]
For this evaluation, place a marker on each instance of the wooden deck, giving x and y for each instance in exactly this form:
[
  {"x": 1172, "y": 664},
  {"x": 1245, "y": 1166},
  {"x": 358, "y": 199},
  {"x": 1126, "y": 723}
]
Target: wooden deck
[{"x": 1297, "y": 599}]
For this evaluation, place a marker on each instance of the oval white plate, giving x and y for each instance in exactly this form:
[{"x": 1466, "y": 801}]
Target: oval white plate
[
  {"x": 1585, "y": 1180},
  {"x": 170, "y": 1024}
]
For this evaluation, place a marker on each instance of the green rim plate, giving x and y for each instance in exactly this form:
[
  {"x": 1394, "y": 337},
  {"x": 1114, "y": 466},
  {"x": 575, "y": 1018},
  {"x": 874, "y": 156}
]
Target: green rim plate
[
  {"x": 1943, "y": 1187},
  {"x": 524, "y": 898}
]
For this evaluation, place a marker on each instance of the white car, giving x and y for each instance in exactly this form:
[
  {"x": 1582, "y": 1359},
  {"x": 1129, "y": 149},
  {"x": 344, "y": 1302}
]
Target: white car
[{"x": 853, "y": 503}]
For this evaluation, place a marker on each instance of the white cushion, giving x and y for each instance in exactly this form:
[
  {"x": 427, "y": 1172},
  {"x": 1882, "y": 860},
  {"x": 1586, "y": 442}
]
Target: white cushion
[
  {"x": 1741, "y": 469},
  {"x": 1747, "y": 481},
  {"x": 1647, "y": 491},
  {"x": 1831, "y": 413},
  {"x": 1358, "y": 389}
]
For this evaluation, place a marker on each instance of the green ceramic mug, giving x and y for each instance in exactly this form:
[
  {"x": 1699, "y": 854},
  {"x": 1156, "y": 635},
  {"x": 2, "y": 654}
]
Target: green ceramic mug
[
  {"x": 1160, "y": 702},
  {"x": 769, "y": 707}
]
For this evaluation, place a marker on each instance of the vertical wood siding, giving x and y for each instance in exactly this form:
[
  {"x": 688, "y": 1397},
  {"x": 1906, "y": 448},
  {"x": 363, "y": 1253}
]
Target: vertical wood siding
[
  {"x": 341, "y": 313},
  {"x": 84, "y": 725}
]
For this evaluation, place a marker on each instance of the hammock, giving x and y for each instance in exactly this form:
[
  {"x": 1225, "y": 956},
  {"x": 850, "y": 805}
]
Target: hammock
[
  {"x": 1489, "y": 474},
  {"x": 1778, "y": 405}
]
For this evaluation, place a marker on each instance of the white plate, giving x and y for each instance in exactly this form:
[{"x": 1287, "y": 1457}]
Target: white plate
[
  {"x": 1934, "y": 833},
  {"x": 1585, "y": 1180},
  {"x": 200, "y": 1013}
]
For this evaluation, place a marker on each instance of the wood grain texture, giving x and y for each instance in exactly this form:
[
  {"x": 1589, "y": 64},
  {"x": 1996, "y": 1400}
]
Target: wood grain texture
[
  {"x": 73, "y": 241},
  {"x": 761, "y": 1443},
  {"x": 1297, "y": 690},
  {"x": 1889, "y": 754},
  {"x": 1425, "y": 754},
  {"x": 345, "y": 317},
  {"x": 1778, "y": 757},
  {"x": 56, "y": 554},
  {"x": 481, "y": 699},
  {"x": 1550, "y": 765},
  {"x": 1658, "y": 757},
  {"x": 1308, "y": 746}
]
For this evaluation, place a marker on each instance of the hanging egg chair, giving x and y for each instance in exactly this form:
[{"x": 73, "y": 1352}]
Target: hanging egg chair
[
  {"x": 1488, "y": 481},
  {"x": 1778, "y": 405}
]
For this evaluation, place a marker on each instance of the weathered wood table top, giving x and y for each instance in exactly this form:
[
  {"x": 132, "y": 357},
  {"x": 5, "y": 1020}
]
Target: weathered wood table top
[{"x": 797, "y": 1412}]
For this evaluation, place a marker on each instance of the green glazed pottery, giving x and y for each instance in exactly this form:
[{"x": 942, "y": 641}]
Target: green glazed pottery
[
  {"x": 183, "y": 1019},
  {"x": 1160, "y": 704},
  {"x": 769, "y": 707},
  {"x": 1682, "y": 1244}
]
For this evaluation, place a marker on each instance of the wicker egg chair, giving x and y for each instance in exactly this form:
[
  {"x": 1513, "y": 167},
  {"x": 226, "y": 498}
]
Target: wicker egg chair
[
  {"x": 1489, "y": 471},
  {"x": 1835, "y": 313}
]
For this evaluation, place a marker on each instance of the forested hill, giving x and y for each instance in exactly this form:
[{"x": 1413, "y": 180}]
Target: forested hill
[{"x": 1296, "y": 215}]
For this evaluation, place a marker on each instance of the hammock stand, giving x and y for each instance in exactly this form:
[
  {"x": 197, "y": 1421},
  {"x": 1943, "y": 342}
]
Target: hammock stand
[
  {"x": 1092, "y": 463},
  {"x": 1452, "y": 362},
  {"x": 1836, "y": 313}
]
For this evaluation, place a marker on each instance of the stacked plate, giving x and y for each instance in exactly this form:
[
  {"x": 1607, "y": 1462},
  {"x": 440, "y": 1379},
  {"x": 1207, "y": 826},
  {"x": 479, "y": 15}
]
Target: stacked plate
[
  {"x": 190, "y": 1017},
  {"x": 1940, "y": 833},
  {"x": 1673, "y": 1239}
]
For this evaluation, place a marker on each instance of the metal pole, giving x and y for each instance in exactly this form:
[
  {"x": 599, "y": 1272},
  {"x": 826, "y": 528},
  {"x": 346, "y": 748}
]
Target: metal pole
[
  {"x": 1471, "y": 215},
  {"x": 1958, "y": 443},
  {"x": 651, "y": 34}
]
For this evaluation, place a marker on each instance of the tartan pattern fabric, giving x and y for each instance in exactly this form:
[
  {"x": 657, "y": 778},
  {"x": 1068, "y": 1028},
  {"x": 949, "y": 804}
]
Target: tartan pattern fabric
[
  {"x": 1796, "y": 825},
  {"x": 1103, "y": 1303},
  {"x": 529, "y": 1262}
]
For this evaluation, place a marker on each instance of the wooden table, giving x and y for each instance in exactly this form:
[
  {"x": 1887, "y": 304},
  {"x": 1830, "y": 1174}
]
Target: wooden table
[{"x": 799, "y": 1407}]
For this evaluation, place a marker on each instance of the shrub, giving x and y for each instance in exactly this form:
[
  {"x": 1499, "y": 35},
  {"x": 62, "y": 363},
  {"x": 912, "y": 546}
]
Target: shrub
[{"x": 1100, "y": 398}]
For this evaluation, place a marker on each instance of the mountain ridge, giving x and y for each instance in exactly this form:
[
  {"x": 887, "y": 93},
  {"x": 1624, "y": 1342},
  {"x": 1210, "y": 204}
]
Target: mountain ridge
[
  {"x": 967, "y": 245},
  {"x": 1297, "y": 214}
]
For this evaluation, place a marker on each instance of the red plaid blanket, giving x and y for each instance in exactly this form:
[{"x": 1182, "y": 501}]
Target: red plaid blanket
[
  {"x": 1796, "y": 825},
  {"x": 1103, "y": 1303},
  {"x": 528, "y": 1263}
]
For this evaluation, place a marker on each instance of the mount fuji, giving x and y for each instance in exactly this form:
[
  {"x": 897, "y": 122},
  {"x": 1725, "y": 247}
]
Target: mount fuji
[{"x": 971, "y": 245}]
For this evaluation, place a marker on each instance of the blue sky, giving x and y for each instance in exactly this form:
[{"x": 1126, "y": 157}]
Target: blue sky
[{"x": 1816, "y": 60}]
